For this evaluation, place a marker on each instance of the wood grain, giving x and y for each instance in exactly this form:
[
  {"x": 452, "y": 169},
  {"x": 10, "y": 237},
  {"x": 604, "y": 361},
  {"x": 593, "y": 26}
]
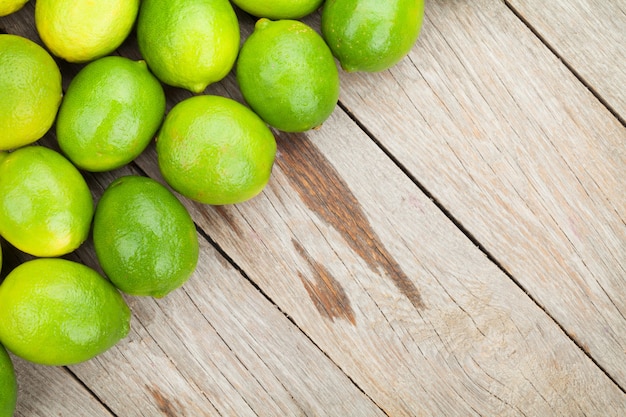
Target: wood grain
[
  {"x": 522, "y": 155},
  {"x": 590, "y": 36}
]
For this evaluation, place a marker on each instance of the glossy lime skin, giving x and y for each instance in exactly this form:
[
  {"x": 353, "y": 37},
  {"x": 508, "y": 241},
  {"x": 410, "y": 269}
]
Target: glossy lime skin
[
  {"x": 215, "y": 150},
  {"x": 30, "y": 91},
  {"x": 46, "y": 207},
  {"x": 145, "y": 239},
  {"x": 110, "y": 113},
  {"x": 8, "y": 385},
  {"x": 279, "y": 9},
  {"x": 188, "y": 43},
  {"x": 288, "y": 75},
  {"x": 371, "y": 35},
  {"x": 58, "y": 312}
]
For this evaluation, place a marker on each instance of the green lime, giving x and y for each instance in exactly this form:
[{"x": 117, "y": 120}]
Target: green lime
[
  {"x": 30, "y": 91},
  {"x": 45, "y": 204},
  {"x": 215, "y": 150},
  {"x": 145, "y": 240},
  {"x": 11, "y": 6},
  {"x": 81, "y": 31},
  {"x": 371, "y": 35},
  {"x": 288, "y": 75},
  {"x": 279, "y": 9},
  {"x": 8, "y": 385},
  {"x": 188, "y": 43},
  {"x": 59, "y": 312},
  {"x": 110, "y": 113}
]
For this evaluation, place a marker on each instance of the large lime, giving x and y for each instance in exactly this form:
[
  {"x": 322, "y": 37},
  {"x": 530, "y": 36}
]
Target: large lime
[
  {"x": 45, "y": 204},
  {"x": 144, "y": 237},
  {"x": 288, "y": 75},
  {"x": 110, "y": 113},
  {"x": 30, "y": 91},
  {"x": 59, "y": 312},
  {"x": 215, "y": 150}
]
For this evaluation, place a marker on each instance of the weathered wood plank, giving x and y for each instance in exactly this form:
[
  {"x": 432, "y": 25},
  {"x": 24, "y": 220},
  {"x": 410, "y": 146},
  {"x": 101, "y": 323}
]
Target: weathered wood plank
[
  {"x": 504, "y": 137},
  {"x": 590, "y": 36}
]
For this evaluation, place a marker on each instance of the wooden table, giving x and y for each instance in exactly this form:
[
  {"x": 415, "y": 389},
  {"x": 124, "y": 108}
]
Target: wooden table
[{"x": 452, "y": 242}]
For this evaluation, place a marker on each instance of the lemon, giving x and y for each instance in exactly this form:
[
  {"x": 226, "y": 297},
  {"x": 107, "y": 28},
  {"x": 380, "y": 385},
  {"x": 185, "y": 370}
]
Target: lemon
[
  {"x": 288, "y": 75},
  {"x": 30, "y": 91},
  {"x": 371, "y": 35},
  {"x": 8, "y": 385},
  {"x": 11, "y": 6},
  {"x": 59, "y": 312},
  {"x": 45, "y": 205},
  {"x": 110, "y": 113},
  {"x": 81, "y": 31},
  {"x": 279, "y": 9},
  {"x": 188, "y": 43},
  {"x": 215, "y": 150},
  {"x": 144, "y": 238}
]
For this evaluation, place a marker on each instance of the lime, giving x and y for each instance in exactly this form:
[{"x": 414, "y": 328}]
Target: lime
[
  {"x": 110, "y": 113},
  {"x": 279, "y": 9},
  {"x": 371, "y": 35},
  {"x": 59, "y": 312},
  {"x": 288, "y": 75},
  {"x": 145, "y": 239},
  {"x": 30, "y": 91},
  {"x": 81, "y": 31},
  {"x": 45, "y": 205},
  {"x": 10, "y": 6},
  {"x": 215, "y": 150},
  {"x": 8, "y": 385},
  {"x": 188, "y": 43}
]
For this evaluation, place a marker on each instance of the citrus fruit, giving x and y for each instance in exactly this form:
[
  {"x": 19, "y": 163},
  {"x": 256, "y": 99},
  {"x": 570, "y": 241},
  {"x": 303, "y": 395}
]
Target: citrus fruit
[
  {"x": 10, "y": 6},
  {"x": 215, "y": 150},
  {"x": 279, "y": 9},
  {"x": 144, "y": 238},
  {"x": 45, "y": 205},
  {"x": 288, "y": 75},
  {"x": 188, "y": 43},
  {"x": 371, "y": 35},
  {"x": 81, "y": 31},
  {"x": 8, "y": 385},
  {"x": 110, "y": 113},
  {"x": 30, "y": 91},
  {"x": 59, "y": 312}
]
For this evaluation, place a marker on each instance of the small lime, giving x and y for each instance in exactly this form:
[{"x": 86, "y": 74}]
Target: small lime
[
  {"x": 279, "y": 9},
  {"x": 145, "y": 239},
  {"x": 371, "y": 35},
  {"x": 8, "y": 385},
  {"x": 110, "y": 113},
  {"x": 288, "y": 75},
  {"x": 215, "y": 150},
  {"x": 188, "y": 43},
  {"x": 30, "y": 91},
  {"x": 59, "y": 312},
  {"x": 11, "y": 6},
  {"x": 81, "y": 31},
  {"x": 45, "y": 204}
]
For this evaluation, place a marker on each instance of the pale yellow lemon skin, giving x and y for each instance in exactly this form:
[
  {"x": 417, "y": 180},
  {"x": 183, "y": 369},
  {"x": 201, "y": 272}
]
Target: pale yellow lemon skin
[{"x": 81, "y": 31}]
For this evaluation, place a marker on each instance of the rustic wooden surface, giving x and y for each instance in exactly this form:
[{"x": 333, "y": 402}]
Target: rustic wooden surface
[{"x": 451, "y": 242}]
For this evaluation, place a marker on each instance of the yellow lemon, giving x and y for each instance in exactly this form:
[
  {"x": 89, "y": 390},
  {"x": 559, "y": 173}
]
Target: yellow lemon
[
  {"x": 59, "y": 312},
  {"x": 81, "y": 31},
  {"x": 11, "y": 6},
  {"x": 188, "y": 43},
  {"x": 46, "y": 207},
  {"x": 30, "y": 91},
  {"x": 145, "y": 240},
  {"x": 215, "y": 150}
]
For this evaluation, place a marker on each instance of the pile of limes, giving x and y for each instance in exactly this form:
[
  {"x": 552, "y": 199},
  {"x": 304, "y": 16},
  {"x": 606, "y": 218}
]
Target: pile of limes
[{"x": 210, "y": 149}]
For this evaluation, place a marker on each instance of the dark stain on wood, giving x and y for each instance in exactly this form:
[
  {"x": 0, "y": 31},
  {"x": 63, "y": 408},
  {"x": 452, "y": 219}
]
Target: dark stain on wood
[
  {"x": 327, "y": 294},
  {"x": 166, "y": 406},
  {"x": 325, "y": 192}
]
